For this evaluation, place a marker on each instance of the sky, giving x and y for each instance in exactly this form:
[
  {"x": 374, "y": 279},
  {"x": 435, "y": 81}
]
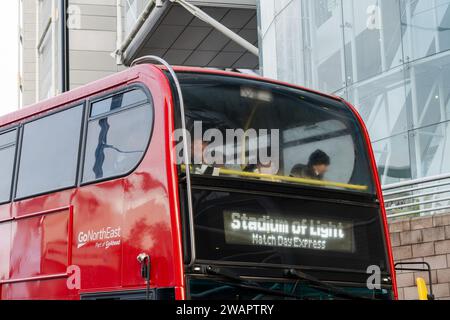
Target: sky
[{"x": 9, "y": 61}]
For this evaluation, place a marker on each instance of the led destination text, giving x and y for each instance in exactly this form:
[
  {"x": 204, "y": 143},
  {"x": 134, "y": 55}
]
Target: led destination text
[{"x": 306, "y": 233}]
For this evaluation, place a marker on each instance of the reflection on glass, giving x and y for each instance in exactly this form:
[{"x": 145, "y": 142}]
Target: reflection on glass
[
  {"x": 390, "y": 58},
  {"x": 372, "y": 37},
  {"x": 429, "y": 86},
  {"x": 49, "y": 154},
  {"x": 324, "y": 45},
  {"x": 116, "y": 143},
  {"x": 383, "y": 104},
  {"x": 7, "y": 138},
  {"x": 426, "y": 27},
  {"x": 392, "y": 156},
  {"x": 118, "y": 101}
]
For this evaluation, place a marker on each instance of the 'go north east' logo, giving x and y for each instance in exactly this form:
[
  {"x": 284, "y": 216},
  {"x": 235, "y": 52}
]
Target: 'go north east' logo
[{"x": 104, "y": 238}]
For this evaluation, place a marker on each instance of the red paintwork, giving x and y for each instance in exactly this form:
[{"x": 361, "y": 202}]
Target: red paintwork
[
  {"x": 39, "y": 236},
  {"x": 375, "y": 174}
]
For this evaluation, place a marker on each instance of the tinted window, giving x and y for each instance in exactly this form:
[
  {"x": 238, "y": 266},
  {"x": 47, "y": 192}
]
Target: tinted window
[
  {"x": 117, "y": 141},
  {"x": 7, "y": 153},
  {"x": 247, "y": 228},
  {"x": 49, "y": 155},
  {"x": 8, "y": 138},
  {"x": 118, "y": 101}
]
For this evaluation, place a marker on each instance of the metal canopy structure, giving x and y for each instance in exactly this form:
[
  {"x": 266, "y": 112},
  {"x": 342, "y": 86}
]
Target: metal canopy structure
[{"x": 175, "y": 34}]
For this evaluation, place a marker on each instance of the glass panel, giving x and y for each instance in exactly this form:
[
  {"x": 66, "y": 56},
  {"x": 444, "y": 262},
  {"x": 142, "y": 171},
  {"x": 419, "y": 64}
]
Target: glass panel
[
  {"x": 118, "y": 101},
  {"x": 395, "y": 69},
  {"x": 431, "y": 150},
  {"x": 426, "y": 27},
  {"x": 429, "y": 88},
  {"x": 323, "y": 44},
  {"x": 7, "y": 155},
  {"x": 372, "y": 37},
  {"x": 269, "y": 52},
  {"x": 243, "y": 128},
  {"x": 383, "y": 104},
  {"x": 49, "y": 156},
  {"x": 115, "y": 144},
  {"x": 8, "y": 138},
  {"x": 393, "y": 160},
  {"x": 289, "y": 60},
  {"x": 443, "y": 23}
]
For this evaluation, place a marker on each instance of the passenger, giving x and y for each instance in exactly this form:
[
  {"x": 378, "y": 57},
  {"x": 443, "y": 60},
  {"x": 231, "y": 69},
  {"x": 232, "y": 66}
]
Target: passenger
[{"x": 318, "y": 165}]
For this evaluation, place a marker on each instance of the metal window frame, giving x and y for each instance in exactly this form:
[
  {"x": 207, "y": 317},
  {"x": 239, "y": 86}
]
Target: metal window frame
[{"x": 15, "y": 146}]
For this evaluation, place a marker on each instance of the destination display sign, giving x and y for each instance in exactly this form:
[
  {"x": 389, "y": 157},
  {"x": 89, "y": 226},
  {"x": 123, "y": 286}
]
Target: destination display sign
[{"x": 252, "y": 229}]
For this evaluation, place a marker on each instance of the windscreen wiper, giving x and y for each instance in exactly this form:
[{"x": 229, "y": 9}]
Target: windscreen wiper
[
  {"x": 323, "y": 286},
  {"x": 235, "y": 280}
]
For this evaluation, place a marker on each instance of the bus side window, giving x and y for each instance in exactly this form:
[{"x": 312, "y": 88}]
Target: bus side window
[
  {"x": 49, "y": 153},
  {"x": 118, "y": 132},
  {"x": 7, "y": 154}
]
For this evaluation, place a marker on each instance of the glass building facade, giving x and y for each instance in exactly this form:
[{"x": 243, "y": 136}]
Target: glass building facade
[{"x": 390, "y": 58}]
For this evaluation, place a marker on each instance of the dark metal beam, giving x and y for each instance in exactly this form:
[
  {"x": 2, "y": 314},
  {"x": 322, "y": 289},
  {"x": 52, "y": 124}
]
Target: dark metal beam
[{"x": 64, "y": 47}]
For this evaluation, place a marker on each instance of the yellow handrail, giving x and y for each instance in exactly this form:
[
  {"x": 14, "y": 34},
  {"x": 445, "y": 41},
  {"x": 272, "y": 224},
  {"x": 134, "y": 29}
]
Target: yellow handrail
[
  {"x": 272, "y": 177},
  {"x": 422, "y": 290}
]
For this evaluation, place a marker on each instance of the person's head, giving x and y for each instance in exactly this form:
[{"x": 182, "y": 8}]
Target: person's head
[{"x": 319, "y": 161}]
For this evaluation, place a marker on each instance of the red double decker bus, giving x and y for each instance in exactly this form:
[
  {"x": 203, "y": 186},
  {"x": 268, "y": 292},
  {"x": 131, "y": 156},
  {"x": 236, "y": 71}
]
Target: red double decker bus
[{"x": 95, "y": 202}]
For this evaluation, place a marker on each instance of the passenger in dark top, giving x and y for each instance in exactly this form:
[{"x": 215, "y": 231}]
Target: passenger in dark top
[{"x": 317, "y": 167}]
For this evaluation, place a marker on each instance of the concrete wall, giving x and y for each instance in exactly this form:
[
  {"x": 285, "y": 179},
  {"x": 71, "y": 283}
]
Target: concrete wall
[{"x": 423, "y": 239}]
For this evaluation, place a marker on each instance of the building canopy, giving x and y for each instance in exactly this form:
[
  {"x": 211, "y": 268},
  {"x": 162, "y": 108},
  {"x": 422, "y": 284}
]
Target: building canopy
[{"x": 173, "y": 33}]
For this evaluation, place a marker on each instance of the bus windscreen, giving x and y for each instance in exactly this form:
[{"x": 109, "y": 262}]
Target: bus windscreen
[{"x": 246, "y": 129}]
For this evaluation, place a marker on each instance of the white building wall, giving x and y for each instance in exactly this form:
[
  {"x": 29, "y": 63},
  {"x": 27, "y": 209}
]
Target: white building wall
[
  {"x": 28, "y": 52},
  {"x": 92, "y": 40}
]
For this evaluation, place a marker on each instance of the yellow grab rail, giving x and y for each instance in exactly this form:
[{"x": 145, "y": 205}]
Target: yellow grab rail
[
  {"x": 272, "y": 177},
  {"x": 422, "y": 290}
]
